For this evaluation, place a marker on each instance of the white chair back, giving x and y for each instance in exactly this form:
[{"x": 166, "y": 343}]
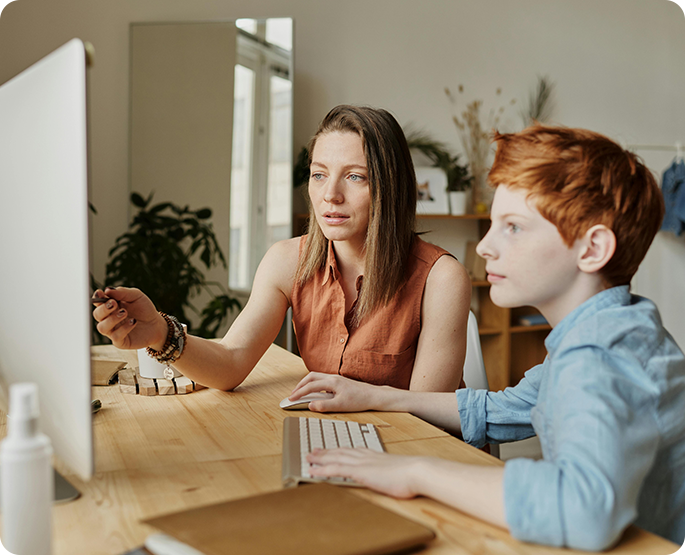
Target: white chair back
[{"x": 474, "y": 369}]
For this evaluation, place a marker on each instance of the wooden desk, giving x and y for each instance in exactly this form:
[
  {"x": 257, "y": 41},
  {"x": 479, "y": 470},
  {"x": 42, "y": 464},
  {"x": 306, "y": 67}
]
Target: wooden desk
[{"x": 160, "y": 454}]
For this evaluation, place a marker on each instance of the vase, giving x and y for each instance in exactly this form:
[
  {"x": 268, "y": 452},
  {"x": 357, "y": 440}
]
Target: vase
[
  {"x": 458, "y": 202},
  {"x": 482, "y": 194}
]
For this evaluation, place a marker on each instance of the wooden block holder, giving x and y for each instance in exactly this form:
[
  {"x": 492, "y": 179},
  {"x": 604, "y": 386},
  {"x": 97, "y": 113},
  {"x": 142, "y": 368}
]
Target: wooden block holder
[{"x": 131, "y": 382}]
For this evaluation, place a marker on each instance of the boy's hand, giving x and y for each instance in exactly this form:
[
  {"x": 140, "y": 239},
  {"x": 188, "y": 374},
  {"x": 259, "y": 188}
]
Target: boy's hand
[
  {"x": 392, "y": 475},
  {"x": 349, "y": 395}
]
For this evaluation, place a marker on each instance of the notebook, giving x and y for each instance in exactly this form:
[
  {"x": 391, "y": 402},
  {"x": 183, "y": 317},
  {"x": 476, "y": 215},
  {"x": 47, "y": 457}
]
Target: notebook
[{"x": 314, "y": 519}]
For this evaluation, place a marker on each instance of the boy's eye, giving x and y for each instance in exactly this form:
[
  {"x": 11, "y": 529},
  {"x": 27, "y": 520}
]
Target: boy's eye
[{"x": 513, "y": 228}]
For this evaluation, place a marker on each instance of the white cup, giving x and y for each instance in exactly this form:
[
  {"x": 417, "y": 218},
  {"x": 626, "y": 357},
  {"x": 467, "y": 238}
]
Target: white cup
[{"x": 148, "y": 367}]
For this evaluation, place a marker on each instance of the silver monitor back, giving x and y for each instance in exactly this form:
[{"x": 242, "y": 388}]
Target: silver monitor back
[{"x": 44, "y": 283}]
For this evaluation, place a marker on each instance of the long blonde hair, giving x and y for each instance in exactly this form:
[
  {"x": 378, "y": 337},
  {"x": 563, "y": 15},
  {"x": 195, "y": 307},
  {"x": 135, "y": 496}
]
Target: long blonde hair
[{"x": 392, "y": 216}]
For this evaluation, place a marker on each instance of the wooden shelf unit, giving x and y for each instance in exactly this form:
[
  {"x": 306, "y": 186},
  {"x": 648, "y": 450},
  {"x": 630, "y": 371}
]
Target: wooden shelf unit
[{"x": 509, "y": 349}]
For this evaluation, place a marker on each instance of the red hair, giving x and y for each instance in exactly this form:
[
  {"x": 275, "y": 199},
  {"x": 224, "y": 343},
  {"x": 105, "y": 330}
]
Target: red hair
[{"x": 579, "y": 179}]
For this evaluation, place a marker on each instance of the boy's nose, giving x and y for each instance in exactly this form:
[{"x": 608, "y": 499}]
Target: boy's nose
[{"x": 484, "y": 247}]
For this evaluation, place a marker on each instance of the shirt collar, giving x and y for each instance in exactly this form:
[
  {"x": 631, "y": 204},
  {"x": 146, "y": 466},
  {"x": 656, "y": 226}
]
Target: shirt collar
[
  {"x": 615, "y": 296},
  {"x": 332, "y": 269},
  {"x": 331, "y": 265}
]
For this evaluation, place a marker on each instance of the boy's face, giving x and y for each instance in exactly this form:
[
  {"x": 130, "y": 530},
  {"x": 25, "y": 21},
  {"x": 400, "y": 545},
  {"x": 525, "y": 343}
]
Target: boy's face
[{"x": 528, "y": 263}]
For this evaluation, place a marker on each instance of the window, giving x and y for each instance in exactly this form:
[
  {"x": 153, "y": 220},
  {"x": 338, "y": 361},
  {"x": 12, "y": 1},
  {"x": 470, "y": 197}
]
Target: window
[{"x": 261, "y": 175}]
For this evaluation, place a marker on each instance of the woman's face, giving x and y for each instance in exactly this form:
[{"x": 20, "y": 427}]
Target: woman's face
[{"x": 339, "y": 187}]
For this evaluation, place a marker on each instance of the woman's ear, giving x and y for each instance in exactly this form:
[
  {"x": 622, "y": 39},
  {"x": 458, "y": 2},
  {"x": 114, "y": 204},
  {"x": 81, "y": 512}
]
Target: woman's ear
[{"x": 599, "y": 245}]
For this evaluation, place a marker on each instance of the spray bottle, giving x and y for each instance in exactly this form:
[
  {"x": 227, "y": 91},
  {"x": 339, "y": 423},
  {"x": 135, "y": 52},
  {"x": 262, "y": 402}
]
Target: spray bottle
[{"x": 26, "y": 477}]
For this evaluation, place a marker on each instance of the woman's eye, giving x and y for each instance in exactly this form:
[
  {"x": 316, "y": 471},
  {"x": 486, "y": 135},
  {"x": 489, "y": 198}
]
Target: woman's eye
[
  {"x": 317, "y": 176},
  {"x": 356, "y": 178}
]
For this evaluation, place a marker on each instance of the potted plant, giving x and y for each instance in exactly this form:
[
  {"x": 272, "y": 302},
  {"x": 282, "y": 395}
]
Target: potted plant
[
  {"x": 458, "y": 179},
  {"x": 159, "y": 254}
]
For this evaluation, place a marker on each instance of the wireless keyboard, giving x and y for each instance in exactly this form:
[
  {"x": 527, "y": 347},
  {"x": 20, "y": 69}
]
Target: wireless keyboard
[{"x": 302, "y": 435}]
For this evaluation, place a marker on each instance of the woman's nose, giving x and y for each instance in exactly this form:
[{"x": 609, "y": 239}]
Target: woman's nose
[{"x": 333, "y": 192}]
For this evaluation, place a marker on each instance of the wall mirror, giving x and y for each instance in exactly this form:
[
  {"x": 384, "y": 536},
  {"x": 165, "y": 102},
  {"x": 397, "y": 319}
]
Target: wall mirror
[{"x": 211, "y": 125}]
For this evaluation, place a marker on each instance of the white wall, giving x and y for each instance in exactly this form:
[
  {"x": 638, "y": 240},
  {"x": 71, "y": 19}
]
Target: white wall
[{"x": 618, "y": 66}]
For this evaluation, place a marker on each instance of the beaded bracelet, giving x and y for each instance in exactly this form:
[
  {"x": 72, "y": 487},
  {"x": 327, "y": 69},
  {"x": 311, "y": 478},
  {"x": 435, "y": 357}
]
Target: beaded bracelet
[{"x": 174, "y": 344}]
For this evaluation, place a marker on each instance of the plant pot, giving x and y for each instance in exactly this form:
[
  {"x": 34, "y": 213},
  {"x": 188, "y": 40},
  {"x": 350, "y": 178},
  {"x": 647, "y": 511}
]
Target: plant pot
[{"x": 458, "y": 202}]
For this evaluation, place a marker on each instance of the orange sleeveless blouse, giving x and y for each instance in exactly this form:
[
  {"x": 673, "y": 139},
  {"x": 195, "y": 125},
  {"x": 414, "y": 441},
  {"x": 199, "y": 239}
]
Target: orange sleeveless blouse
[{"x": 382, "y": 349}]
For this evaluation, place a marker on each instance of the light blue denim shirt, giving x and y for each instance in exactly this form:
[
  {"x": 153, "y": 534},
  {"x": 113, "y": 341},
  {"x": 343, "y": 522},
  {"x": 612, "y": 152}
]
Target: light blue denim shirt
[{"x": 608, "y": 404}]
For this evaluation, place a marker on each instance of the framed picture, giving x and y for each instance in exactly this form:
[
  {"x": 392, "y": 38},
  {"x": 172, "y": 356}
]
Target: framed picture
[{"x": 432, "y": 187}]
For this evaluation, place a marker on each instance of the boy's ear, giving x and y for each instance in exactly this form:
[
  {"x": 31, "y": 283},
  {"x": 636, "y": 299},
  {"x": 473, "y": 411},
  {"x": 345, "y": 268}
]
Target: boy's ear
[{"x": 599, "y": 245}]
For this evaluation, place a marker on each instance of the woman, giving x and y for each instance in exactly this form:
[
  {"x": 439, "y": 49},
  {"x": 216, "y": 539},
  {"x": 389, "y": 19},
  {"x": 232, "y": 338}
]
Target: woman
[{"x": 370, "y": 299}]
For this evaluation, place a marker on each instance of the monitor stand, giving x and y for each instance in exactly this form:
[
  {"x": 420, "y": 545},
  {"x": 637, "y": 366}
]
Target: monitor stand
[{"x": 64, "y": 491}]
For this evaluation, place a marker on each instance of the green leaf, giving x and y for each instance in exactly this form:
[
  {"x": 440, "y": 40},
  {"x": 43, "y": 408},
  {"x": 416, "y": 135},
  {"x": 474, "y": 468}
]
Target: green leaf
[
  {"x": 157, "y": 253},
  {"x": 138, "y": 201},
  {"x": 205, "y": 257},
  {"x": 159, "y": 207},
  {"x": 438, "y": 153}
]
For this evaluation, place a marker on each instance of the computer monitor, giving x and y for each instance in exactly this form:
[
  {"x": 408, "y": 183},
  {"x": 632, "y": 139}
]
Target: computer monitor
[{"x": 44, "y": 273}]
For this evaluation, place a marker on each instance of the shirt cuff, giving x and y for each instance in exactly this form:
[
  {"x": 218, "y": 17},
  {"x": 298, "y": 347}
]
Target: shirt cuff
[
  {"x": 531, "y": 504},
  {"x": 471, "y": 404}
]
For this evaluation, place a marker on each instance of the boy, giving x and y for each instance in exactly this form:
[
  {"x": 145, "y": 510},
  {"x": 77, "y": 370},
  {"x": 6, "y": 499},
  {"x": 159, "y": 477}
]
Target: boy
[{"x": 572, "y": 218}]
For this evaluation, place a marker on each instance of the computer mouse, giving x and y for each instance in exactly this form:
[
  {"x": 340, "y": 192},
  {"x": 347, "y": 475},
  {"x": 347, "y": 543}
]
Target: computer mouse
[{"x": 303, "y": 402}]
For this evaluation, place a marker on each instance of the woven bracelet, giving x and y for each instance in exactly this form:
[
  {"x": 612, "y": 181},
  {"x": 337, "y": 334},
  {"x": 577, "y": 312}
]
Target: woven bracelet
[{"x": 174, "y": 344}]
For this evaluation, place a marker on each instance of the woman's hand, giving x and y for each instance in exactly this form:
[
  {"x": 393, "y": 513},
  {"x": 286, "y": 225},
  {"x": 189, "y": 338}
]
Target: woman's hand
[
  {"x": 440, "y": 409},
  {"x": 392, "y": 475},
  {"x": 129, "y": 319},
  {"x": 349, "y": 395}
]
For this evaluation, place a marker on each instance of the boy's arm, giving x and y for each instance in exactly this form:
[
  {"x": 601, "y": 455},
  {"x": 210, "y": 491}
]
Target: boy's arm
[
  {"x": 480, "y": 415},
  {"x": 603, "y": 436},
  {"x": 499, "y": 416},
  {"x": 476, "y": 490},
  {"x": 604, "y": 442}
]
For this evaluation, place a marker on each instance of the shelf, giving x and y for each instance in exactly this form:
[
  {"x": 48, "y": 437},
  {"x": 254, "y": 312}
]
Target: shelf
[
  {"x": 523, "y": 329},
  {"x": 490, "y": 330},
  {"x": 484, "y": 330}
]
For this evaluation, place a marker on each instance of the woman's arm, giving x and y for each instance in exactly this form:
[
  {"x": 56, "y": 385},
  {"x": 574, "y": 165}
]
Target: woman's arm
[
  {"x": 221, "y": 365},
  {"x": 441, "y": 348}
]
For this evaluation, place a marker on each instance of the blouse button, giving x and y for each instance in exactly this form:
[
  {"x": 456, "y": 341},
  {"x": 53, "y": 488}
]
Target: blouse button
[{"x": 342, "y": 340}]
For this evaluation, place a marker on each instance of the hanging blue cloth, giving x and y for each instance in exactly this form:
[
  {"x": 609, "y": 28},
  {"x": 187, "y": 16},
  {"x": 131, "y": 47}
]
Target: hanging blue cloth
[{"x": 673, "y": 189}]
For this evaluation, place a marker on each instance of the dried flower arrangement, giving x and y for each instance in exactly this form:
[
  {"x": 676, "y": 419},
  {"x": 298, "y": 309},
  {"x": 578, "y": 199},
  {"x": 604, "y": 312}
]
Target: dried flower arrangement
[
  {"x": 540, "y": 102},
  {"x": 475, "y": 140}
]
